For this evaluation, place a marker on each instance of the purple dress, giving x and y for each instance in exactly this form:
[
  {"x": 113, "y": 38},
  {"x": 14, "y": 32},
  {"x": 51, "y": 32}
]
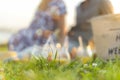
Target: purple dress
[{"x": 42, "y": 21}]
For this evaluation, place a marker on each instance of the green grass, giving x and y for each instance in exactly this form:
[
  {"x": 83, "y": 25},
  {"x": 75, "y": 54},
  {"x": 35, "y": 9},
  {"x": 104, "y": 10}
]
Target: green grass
[
  {"x": 41, "y": 69},
  {"x": 3, "y": 47}
]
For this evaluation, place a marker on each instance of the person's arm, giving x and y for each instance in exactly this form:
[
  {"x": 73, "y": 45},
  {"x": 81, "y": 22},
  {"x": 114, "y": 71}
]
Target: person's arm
[
  {"x": 106, "y": 7},
  {"x": 59, "y": 13},
  {"x": 62, "y": 29},
  {"x": 61, "y": 26}
]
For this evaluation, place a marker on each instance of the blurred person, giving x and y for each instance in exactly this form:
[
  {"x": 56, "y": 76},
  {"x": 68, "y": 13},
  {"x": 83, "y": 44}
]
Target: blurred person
[
  {"x": 85, "y": 11},
  {"x": 50, "y": 15}
]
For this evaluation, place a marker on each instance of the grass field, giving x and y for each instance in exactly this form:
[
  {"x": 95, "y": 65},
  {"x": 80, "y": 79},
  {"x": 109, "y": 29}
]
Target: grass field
[
  {"x": 42, "y": 69},
  {"x": 3, "y": 47}
]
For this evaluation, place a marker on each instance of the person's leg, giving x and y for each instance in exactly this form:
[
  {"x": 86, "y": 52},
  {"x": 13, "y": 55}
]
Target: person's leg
[
  {"x": 86, "y": 37},
  {"x": 73, "y": 45}
]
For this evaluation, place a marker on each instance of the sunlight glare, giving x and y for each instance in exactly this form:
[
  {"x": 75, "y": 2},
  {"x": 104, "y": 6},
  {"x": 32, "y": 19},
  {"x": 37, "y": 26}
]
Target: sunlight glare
[{"x": 116, "y": 5}]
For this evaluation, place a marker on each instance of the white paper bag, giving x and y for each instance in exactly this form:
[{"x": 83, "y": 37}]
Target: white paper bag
[{"x": 106, "y": 34}]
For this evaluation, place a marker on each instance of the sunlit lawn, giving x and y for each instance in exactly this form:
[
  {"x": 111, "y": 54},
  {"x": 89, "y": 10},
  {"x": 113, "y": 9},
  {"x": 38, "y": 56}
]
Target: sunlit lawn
[
  {"x": 3, "y": 47},
  {"x": 41, "y": 69}
]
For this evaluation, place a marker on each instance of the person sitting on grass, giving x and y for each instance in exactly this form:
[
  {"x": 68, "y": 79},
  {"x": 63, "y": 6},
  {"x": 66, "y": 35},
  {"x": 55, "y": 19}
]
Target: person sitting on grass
[
  {"x": 50, "y": 15},
  {"x": 85, "y": 11}
]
